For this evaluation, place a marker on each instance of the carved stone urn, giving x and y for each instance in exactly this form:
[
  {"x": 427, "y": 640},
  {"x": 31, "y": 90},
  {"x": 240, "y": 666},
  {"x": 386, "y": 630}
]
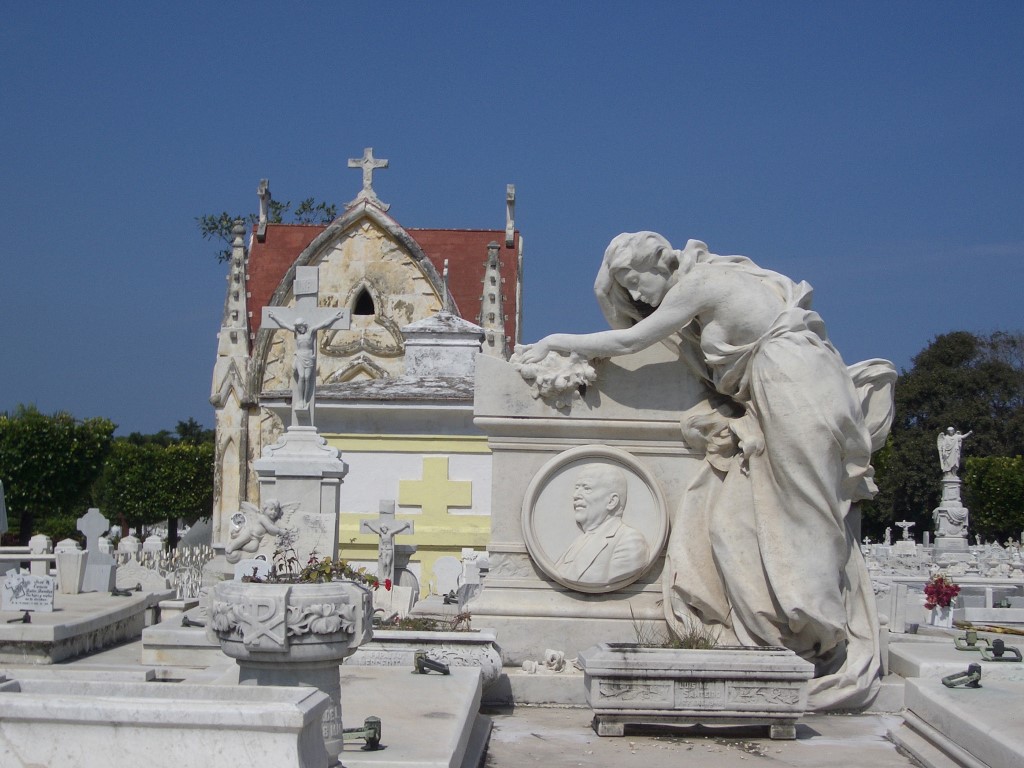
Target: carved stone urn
[{"x": 293, "y": 634}]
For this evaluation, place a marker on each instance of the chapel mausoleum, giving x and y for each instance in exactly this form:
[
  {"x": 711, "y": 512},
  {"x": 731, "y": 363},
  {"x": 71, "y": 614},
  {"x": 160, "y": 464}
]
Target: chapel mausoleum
[{"x": 393, "y": 390}]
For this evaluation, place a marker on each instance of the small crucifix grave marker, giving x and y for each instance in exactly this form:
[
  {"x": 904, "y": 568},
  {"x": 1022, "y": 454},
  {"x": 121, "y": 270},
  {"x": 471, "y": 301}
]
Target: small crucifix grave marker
[
  {"x": 304, "y": 320},
  {"x": 386, "y": 527},
  {"x": 906, "y": 525}
]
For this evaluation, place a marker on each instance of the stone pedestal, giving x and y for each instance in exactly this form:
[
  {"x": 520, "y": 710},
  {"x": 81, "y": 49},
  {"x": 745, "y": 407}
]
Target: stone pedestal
[
  {"x": 302, "y": 469},
  {"x": 532, "y": 444},
  {"x": 951, "y": 518},
  {"x": 71, "y": 571},
  {"x": 292, "y": 635}
]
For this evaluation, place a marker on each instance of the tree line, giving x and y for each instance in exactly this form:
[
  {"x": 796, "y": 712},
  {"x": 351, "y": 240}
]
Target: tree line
[{"x": 54, "y": 467}]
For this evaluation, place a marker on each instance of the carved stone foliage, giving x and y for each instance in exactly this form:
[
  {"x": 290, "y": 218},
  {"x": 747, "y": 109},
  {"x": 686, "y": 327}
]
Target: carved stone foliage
[
  {"x": 507, "y": 565},
  {"x": 726, "y": 685},
  {"x": 558, "y": 379},
  {"x": 271, "y": 617}
]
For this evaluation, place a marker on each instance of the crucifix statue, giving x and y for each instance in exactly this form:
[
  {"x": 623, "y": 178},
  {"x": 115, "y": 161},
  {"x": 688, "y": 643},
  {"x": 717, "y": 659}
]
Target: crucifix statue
[
  {"x": 906, "y": 525},
  {"x": 304, "y": 320},
  {"x": 387, "y": 527}
]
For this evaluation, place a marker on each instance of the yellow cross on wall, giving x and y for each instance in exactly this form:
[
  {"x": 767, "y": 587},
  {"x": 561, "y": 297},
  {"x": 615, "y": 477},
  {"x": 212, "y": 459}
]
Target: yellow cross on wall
[{"x": 435, "y": 493}]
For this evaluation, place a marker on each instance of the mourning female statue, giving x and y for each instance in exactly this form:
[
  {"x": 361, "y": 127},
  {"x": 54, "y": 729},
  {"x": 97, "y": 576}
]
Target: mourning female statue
[{"x": 762, "y": 546}]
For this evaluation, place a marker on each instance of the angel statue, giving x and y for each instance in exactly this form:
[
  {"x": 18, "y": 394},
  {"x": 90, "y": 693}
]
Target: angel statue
[
  {"x": 949, "y": 444},
  {"x": 250, "y": 524}
]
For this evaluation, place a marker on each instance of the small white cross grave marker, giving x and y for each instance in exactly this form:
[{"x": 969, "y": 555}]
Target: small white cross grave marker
[
  {"x": 386, "y": 527},
  {"x": 304, "y": 320},
  {"x": 99, "y": 570}
]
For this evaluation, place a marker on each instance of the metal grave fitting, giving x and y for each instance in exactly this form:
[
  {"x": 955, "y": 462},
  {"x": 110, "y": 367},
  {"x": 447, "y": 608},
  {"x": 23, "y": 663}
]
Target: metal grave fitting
[
  {"x": 1000, "y": 651},
  {"x": 969, "y": 679}
]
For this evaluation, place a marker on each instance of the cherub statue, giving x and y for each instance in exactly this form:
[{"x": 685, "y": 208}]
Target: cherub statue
[{"x": 250, "y": 524}]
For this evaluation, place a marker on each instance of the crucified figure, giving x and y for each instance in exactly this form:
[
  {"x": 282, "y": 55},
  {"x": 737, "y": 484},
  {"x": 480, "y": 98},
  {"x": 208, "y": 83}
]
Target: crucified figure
[{"x": 304, "y": 365}]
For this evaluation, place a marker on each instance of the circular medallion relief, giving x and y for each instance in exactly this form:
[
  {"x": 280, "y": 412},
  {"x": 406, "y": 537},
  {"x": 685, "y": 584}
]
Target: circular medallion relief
[{"x": 594, "y": 519}]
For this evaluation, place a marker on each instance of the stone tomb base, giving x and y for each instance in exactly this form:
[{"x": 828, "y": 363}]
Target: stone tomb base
[
  {"x": 630, "y": 685},
  {"x": 934, "y": 658},
  {"x": 79, "y": 624},
  {"x": 169, "y": 644},
  {"x": 158, "y": 725},
  {"x": 119, "y": 719},
  {"x": 975, "y": 727},
  {"x": 397, "y": 649},
  {"x": 427, "y": 721}
]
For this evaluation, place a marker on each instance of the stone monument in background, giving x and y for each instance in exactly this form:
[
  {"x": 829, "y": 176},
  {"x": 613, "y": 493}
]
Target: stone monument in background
[{"x": 951, "y": 516}]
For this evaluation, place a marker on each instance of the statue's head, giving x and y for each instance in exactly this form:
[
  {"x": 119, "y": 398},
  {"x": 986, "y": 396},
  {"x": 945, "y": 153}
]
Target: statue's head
[
  {"x": 640, "y": 251},
  {"x": 950, "y": 431},
  {"x": 634, "y": 258},
  {"x": 598, "y": 493},
  {"x": 272, "y": 509}
]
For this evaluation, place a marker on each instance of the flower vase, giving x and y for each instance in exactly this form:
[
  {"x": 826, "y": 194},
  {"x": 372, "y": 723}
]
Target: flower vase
[{"x": 941, "y": 616}]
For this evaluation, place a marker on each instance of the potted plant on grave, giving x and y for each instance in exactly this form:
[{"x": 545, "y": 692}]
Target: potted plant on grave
[
  {"x": 939, "y": 593},
  {"x": 687, "y": 678},
  {"x": 295, "y": 626}
]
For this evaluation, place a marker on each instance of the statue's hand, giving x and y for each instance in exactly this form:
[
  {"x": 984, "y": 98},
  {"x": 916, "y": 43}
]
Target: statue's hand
[
  {"x": 752, "y": 446},
  {"x": 533, "y": 353},
  {"x": 751, "y": 440}
]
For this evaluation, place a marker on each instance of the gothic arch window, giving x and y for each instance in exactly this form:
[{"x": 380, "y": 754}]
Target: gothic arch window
[{"x": 363, "y": 304}]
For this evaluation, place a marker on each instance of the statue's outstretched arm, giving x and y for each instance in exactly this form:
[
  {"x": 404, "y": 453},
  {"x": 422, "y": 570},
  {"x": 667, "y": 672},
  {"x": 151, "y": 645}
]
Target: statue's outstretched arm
[
  {"x": 676, "y": 311},
  {"x": 281, "y": 323},
  {"x": 327, "y": 322}
]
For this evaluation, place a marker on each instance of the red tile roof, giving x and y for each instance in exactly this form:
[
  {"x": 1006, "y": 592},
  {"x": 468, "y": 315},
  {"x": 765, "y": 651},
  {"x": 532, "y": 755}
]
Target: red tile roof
[
  {"x": 270, "y": 260},
  {"x": 465, "y": 250}
]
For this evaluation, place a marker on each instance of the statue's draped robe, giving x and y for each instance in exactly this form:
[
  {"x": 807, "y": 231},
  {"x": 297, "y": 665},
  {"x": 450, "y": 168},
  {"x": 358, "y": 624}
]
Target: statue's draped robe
[{"x": 765, "y": 550}]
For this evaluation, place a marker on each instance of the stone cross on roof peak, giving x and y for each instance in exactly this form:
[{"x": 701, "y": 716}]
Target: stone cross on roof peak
[{"x": 368, "y": 163}]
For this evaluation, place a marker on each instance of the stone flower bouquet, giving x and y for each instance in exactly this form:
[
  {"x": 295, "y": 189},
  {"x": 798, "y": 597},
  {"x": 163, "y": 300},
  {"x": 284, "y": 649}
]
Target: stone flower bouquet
[{"x": 939, "y": 592}]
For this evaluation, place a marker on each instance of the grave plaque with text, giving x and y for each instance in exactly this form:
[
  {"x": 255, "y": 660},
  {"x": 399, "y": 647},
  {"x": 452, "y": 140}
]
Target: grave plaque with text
[{"x": 22, "y": 592}]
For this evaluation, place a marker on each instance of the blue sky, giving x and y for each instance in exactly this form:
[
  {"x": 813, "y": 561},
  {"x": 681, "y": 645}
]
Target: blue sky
[{"x": 872, "y": 149}]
